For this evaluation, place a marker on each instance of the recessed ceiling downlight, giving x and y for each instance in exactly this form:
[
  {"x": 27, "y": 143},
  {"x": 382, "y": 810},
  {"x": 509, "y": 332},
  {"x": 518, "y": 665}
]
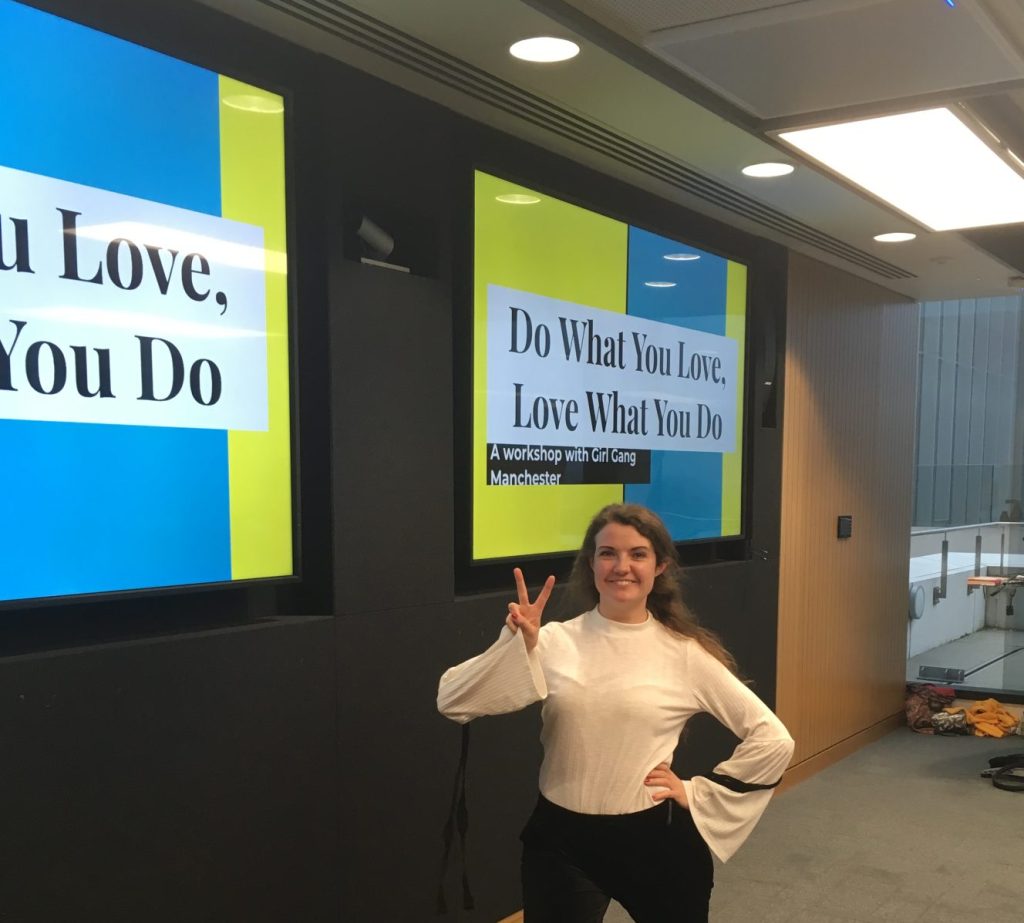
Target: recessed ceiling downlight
[
  {"x": 681, "y": 257},
  {"x": 895, "y": 237},
  {"x": 517, "y": 198},
  {"x": 544, "y": 49},
  {"x": 768, "y": 170},
  {"x": 660, "y": 284}
]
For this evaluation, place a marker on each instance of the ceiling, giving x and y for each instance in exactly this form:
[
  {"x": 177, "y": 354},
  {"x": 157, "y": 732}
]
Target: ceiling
[{"x": 677, "y": 95}]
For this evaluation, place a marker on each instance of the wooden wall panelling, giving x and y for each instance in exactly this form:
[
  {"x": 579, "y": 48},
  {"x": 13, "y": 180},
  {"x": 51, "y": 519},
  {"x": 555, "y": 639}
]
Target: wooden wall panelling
[{"x": 848, "y": 446}]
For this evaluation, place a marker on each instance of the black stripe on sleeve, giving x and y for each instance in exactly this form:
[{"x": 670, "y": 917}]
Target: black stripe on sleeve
[{"x": 736, "y": 785}]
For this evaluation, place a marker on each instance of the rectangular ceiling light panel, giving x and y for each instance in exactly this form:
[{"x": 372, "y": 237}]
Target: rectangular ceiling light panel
[{"x": 930, "y": 165}]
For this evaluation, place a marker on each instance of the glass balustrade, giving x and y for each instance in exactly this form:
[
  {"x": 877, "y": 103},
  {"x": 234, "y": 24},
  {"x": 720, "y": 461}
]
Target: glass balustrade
[{"x": 959, "y": 632}]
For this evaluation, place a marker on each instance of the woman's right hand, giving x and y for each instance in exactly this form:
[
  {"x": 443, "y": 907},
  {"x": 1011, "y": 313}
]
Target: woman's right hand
[{"x": 526, "y": 615}]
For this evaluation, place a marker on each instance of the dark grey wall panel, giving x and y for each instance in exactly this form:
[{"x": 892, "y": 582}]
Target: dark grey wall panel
[
  {"x": 391, "y": 368},
  {"x": 183, "y": 778},
  {"x": 399, "y": 758}
]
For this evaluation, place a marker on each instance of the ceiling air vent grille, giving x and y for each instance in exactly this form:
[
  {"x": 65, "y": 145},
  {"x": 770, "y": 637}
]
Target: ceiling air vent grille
[{"x": 372, "y": 35}]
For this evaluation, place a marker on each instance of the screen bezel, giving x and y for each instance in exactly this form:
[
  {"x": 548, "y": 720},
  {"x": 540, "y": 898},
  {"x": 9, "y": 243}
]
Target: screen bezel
[
  {"x": 146, "y": 36},
  {"x": 474, "y": 576}
]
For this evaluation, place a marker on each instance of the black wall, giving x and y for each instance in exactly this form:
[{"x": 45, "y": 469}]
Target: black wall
[{"x": 274, "y": 753}]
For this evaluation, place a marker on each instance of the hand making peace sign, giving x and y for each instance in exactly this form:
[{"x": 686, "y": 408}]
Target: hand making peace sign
[{"x": 525, "y": 614}]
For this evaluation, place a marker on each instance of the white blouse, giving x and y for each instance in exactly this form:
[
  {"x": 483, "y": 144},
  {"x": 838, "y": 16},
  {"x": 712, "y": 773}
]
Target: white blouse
[{"x": 616, "y": 698}]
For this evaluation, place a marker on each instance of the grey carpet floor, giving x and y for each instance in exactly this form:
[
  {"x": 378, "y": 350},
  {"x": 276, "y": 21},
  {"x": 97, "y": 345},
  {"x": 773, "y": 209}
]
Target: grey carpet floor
[{"x": 903, "y": 830}]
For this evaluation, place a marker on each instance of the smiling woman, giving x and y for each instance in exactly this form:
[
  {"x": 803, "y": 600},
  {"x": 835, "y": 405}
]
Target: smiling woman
[
  {"x": 619, "y": 684},
  {"x": 624, "y": 566}
]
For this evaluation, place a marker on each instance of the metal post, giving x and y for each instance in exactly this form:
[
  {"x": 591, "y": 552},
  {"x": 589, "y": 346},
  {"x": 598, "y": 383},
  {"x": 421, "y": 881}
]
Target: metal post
[
  {"x": 977, "y": 561},
  {"x": 939, "y": 592}
]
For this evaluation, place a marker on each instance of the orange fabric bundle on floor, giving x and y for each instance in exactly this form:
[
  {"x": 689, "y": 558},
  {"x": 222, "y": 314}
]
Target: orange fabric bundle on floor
[{"x": 988, "y": 718}]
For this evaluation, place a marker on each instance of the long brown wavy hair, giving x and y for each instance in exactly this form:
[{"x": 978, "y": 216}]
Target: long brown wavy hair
[{"x": 666, "y": 598}]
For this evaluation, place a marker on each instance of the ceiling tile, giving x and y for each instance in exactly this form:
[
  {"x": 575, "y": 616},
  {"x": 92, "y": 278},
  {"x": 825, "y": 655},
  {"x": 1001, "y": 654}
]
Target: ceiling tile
[
  {"x": 822, "y": 55},
  {"x": 642, "y": 16}
]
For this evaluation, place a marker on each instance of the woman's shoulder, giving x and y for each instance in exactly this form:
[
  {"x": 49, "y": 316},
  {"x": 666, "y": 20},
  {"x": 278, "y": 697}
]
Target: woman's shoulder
[{"x": 681, "y": 645}]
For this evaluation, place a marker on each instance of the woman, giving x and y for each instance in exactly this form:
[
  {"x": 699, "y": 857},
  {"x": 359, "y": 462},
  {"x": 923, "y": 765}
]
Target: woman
[{"x": 619, "y": 684}]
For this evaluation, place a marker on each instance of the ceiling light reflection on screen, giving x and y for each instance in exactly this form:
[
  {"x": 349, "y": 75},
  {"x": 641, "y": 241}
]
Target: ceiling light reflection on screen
[
  {"x": 221, "y": 252},
  {"x": 250, "y": 102},
  {"x": 161, "y": 323},
  {"x": 517, "y": 198}
]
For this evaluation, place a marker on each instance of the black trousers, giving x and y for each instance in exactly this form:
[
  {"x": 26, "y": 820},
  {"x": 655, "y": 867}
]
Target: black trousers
[{"x": 654, "y": 863}]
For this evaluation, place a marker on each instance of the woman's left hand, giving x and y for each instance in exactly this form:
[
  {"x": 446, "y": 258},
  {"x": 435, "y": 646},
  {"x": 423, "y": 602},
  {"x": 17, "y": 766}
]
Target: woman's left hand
[{"x": 663, "y": 776}]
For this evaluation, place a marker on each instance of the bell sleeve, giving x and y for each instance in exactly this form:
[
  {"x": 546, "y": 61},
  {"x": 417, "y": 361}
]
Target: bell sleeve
[
  {"x": 504, "y": 678},
  {"x": 727, "y": 803}
]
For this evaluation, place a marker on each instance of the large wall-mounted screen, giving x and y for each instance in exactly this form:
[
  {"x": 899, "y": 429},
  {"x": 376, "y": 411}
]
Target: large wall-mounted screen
[
  {"x": 608, "y": 366},
  {"x": 145, "y": 436}
]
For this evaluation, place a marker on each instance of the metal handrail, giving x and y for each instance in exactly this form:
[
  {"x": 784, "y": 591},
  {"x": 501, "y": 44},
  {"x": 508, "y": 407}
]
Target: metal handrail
[
  {"x": 939, "y": 592},
  {"x": 973, "y": 525}
]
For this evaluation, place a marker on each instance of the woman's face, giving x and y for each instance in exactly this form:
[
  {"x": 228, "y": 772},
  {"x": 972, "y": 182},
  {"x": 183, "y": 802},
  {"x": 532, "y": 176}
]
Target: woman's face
[{"x": 624, "y": 566}]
